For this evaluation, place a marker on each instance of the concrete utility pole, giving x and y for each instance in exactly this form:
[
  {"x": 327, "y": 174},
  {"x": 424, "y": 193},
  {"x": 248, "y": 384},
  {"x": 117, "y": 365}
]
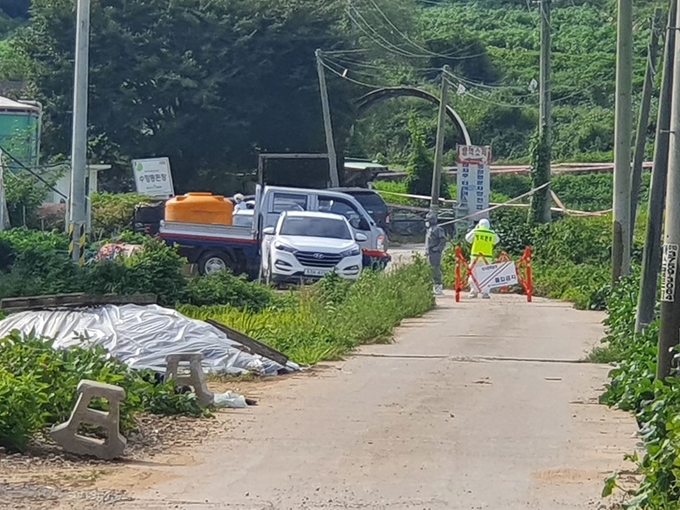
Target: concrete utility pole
[
  {"x": 669, "y": 336},
  {"x": 622, "y": 145},
  {"x": 77, "y": 197},
  {"x": 328, "y": 126},
  {"x": 545, "y": 127},
  {"x": 657, "y": 192},
  {"x": 3, "y": 204},
  {"x": 439, "y": 148},
  {"x": 643, "y": 120}
]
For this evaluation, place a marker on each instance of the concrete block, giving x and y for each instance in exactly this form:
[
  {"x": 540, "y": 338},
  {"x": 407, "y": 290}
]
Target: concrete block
[
  {"x": 195, "y": 378},
  {"x": 66, "y": 434}
]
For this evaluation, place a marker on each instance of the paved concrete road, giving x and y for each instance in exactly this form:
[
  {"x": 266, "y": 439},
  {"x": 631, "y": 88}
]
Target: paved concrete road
[{"x": 478, "y": 405}]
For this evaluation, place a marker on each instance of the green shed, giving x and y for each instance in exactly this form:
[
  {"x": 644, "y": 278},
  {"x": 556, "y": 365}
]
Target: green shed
[{"x": 20, "y": 132}]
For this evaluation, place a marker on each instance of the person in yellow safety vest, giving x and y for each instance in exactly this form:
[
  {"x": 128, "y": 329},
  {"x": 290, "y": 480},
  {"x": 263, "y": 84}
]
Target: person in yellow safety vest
[{"x": 483, "y": 240}]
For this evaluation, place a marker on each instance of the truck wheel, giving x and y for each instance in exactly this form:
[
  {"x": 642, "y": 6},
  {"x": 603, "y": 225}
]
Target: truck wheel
[{"x": 214, "y": 262}]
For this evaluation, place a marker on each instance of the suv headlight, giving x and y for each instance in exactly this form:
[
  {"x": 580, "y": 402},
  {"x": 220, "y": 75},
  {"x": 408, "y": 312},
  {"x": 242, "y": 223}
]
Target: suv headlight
[
  {"x": 352, "y": 252},
  {"x": 284, "y": 247}
]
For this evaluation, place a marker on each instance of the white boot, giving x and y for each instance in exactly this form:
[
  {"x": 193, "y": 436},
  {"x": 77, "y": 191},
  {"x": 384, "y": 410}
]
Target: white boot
[
  {"x": 473, "y": 294},
  {"x": 439, "y": 290},
  {"x": 486, "y": 295}
]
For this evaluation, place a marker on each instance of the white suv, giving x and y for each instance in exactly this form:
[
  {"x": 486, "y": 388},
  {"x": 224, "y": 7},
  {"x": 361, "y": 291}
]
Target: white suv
[{"x": 308, "y": 245}]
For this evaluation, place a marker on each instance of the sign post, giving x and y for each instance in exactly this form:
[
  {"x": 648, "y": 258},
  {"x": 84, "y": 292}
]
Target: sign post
[
  {"x": 473, "y": 180},
  {"x": 153, "y": 177}
]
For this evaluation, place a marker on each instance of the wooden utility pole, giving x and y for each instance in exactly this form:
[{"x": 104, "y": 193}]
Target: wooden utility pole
[
  {"x": 327, "y": 124},
  {"x": 651, "y": 256},
  {"x": 622, "y": 135},
  {"x": 545, "y": 127},
  {"x": 439, "y": 148},
  {"x": 669, "y": 335},
  {"x": 643, "y": 120}
]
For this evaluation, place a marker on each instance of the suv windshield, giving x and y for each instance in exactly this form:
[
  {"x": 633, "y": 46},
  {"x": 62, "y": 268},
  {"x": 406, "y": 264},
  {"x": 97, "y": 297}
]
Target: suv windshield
[{"x": 315, "y": 227}]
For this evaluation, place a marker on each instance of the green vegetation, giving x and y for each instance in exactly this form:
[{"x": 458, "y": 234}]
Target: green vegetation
[
  {"x": 112, "y": 212},
  {"x": 38, "y": 388},
  {"x": 333, "y": 317},
  {"x": 175, "y": 84},
  {"x": 37, "y": 263},
  {"x": 570, "y": 257},
  {"x": 325, "y": 321},
  {"x": 656, "y": 405}
]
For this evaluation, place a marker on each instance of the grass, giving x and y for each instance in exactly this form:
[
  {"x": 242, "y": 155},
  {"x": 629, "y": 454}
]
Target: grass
[
  {"x": 328, "y": 320},
  {"x": 605, "y": 354}
]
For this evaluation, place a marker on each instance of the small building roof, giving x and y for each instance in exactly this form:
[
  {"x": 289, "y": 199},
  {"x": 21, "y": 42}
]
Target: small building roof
[{"x": 9, "y": 105}]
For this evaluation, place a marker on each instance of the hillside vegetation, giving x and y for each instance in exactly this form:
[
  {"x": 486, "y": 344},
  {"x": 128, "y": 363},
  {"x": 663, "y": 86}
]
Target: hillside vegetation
[{"x": 242, "y": 74}]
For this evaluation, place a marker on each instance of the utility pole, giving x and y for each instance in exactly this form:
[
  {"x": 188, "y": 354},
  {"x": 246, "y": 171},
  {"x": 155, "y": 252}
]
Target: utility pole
[
  {"x": 669, "y": 335},
  {"x": 439, "y": 148},
  {"x": 328, "y": 126},
  {"x": 622, "y": 145},
  {"x": 3, "y": 205},
  {"x": 643, "y": 120},
  {"x": 651, "y": 256},
  {"x": 545, "y": 127},
  {"x": 77, "y": 196}
]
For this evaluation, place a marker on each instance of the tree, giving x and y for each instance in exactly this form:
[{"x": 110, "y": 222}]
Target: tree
[
  {"x": 15, "y": 8},
  {"x": 208, "y": 83},
  {"x": 420, "y": 164}
]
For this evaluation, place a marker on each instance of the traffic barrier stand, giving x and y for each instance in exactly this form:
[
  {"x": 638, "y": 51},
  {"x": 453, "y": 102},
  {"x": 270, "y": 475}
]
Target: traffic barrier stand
[{"x": 464, "y": 271}]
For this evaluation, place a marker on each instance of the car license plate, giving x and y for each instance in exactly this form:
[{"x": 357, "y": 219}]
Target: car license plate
[{"x": 316, "y": 272}]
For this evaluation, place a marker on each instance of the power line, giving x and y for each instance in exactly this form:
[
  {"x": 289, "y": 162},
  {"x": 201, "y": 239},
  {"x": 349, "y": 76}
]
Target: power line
[
  {"x": 416, "y": 45},
  {"x": 345, "y": 77},
  {"x": 495, "y": 103},
  {"x": 37, "y": 176},
  {"x": 381, "y": 41},
  {"x": 379, "y": 67}
]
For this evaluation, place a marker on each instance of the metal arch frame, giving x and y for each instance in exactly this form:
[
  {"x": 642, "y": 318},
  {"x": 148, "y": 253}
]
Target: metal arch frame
[{"x": 375, "y": 96}]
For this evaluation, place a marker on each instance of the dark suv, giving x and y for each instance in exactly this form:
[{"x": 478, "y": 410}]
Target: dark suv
[{"x": 373, "y": 203}]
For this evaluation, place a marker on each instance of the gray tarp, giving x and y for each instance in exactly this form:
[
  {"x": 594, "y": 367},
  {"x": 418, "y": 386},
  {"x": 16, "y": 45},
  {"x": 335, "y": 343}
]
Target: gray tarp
[{"x": 142, "y": 337}]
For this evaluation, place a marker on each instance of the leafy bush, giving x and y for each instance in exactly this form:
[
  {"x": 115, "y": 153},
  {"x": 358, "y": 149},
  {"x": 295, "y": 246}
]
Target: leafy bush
[
  {"x": 226, "y": 289},
  {"x": 632, "y": 387},
  {"x": 570, "y": 256},
  {"x": 42, "y": 267},
  {"x": 38, "y": 387},
  {"x": 112, "y": 213},
  {"x": 331, "y": 318},
  {"x": 21, "y": 414},
  {"x": 577, "y": 240},
  {"x": 420, "y": 164}
]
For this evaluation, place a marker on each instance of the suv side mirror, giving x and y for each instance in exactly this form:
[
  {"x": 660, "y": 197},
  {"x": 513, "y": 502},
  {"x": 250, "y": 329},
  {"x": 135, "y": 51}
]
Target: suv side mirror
[
  {"x": 360, "y": 237},
  {"x": 269, "y": 231}
]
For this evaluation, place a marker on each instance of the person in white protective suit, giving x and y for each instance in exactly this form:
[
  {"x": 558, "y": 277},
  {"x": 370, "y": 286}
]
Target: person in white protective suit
[
  {"x": 240, "y": 202},
  {"x": 483, "y": 240}
]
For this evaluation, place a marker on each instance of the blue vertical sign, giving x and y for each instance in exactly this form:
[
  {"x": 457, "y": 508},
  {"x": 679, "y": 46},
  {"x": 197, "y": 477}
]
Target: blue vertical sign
[{"x": 474, "y": 180}]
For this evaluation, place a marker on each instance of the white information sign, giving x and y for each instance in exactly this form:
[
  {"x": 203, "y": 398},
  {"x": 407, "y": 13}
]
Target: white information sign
[
  {"x": 474, "y": 180},
  {"x": 153, "y": 177},
  {"x": 492, "y": 276},
  {"x": 670, "y": 272}
]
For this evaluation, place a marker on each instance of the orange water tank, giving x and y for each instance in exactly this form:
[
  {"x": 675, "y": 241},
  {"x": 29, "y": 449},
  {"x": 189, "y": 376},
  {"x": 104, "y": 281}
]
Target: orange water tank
[{"x": 203, "y": 208}]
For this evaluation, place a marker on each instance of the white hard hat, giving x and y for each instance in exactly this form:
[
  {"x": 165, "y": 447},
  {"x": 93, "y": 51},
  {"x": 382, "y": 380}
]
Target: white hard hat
[
  {"x": 484, "y": 223},
  {"x": 238, "y": 197}
]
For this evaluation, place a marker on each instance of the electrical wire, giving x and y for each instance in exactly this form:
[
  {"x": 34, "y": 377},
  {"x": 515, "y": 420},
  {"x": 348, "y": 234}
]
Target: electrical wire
[
  {"x": 377, "y": 66},
  {"x": 346, "y": 63},
  {"x": 416, "y": 45},
  {"x": 495, "y": 103},
  {"x": 345, "y": 77},
  {"x": 490, "y": 87},
  {"x": 37, "y": 176},
  {"x": 381, "y": 41}
]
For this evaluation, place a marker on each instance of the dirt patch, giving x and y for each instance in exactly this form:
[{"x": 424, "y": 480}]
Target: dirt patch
[{"x": 46, "y": 477}]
